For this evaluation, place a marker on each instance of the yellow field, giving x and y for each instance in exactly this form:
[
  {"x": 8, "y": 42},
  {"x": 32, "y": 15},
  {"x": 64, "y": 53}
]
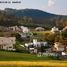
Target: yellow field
[{"x": 33, "y": 64}]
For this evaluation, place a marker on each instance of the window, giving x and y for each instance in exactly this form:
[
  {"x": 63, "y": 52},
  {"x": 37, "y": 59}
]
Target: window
[{"x": 10, "y": 47}]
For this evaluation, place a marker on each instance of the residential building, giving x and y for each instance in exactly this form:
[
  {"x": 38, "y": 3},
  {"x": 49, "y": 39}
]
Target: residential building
[
  {"x": 14, "y": 29},
  {"x": 54, "y": 29},
  {"x": 65, "y": 28},
  {"x": 59, "y": 46},
  {"x": 24, "y": 29},
  {"x": 7, "y": 43},
  {"x": 36, "y": 47}
]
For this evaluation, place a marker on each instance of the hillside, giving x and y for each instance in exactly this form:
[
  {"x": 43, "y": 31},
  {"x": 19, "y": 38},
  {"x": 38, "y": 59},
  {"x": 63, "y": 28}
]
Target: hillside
[{"x": 30, "y": 17}]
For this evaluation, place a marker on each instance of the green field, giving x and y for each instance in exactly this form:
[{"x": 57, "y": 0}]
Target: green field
[
  {"x": 28, "y": 60},
  {"x": 14, "y": 56}
]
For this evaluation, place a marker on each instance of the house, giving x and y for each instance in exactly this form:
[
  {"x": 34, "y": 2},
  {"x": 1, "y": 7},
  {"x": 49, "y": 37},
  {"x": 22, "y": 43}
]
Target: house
[
  {"x": 10, "y": 29},
  {"x": 26, "y": 35},
  {"x": 54, "y": 29},
  {"x": 36, "y": 47},
  {"x": 37, "y": 44},
  {"x": 39, "y": 29},
  {"x": 24, "y": 29},
  {"x": 59, "y": 49},
  {"x": 23, "y": 35},
  {"x": 59, "y": 46},
  {"x": 64, "y": 53},
  {"x": 64, "y": 29},
  {"x": 7, "y": 43},
  {"x": 4, "y": 29},
  {"x": 14, "y": 29}
]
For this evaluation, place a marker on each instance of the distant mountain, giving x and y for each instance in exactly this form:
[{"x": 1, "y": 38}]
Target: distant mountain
[{"x": 38, "y": 17}]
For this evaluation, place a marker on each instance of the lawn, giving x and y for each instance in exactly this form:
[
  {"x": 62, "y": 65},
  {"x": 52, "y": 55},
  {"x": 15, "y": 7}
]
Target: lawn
[{"x": 14, "y": 56}]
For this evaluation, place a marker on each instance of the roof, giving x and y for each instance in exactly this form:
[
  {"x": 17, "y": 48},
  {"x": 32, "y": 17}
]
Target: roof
[
  {"x": 39, "y": 28},
  {"x": 39, "y": 43}
]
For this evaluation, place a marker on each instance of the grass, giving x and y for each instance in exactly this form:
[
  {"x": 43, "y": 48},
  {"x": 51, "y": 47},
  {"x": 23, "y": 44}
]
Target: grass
[
  {"x": 14, "y": 59},
  {"x": 14, "y": 56},
  {"x": 42, "y": 32}
]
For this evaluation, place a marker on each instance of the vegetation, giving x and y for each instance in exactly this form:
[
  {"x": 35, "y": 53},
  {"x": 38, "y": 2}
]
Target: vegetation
[
  {"x": 16, "y": 56},
  {"x": 31, "y": 18},
  {"x": 16, "y": 17},
  {"x": 44, "y": 36},
  {"x": 33, "y": 64},
  {"x": 64, "y": 33}
]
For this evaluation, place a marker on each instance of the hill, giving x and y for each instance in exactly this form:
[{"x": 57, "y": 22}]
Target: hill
[{"x": 32, "y": 16}]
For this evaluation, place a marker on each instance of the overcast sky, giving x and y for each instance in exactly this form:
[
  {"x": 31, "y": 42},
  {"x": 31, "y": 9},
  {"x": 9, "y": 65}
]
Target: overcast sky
[{"x": 52, "y": 6}]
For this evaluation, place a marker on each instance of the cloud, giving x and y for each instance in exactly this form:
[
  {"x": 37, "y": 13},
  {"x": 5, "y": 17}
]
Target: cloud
[{"x": 51, "y": 3}]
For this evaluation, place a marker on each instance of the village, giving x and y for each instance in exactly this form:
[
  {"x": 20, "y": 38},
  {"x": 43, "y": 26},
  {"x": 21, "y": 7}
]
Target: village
[{"x": 34, "y": 42}]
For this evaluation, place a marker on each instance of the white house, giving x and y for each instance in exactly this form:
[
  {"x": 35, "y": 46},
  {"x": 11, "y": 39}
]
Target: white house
[
  {"x": 33, "y": 46},
  {"x": 64, "y": 53},
  {"x": 7, "y": 43},
  {"x": 54, "y": 29},
  {"x": 35, "y": 43},
  {"x": 24, "y": 29}
]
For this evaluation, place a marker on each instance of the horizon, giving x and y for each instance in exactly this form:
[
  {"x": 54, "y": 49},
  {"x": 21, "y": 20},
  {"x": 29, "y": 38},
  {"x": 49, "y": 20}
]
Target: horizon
[
  {"x": 57, "y": 7},
  {"x": 34, "y": 9}
]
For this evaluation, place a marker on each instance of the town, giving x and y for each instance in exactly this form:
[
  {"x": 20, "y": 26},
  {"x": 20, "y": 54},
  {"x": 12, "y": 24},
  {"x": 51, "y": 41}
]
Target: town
[{"x": 38, "y": 41}]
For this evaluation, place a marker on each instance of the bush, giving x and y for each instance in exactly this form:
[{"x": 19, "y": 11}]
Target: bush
[
  {"x": 20, "y": 48},
  {"x": 34, "y": 34}
]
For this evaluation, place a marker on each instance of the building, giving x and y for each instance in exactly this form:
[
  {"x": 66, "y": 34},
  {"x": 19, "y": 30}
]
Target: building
[
  {"x": 36, "y": 47},
  {"x": 59, "y": 46},
  {"x": 14, "y": 29},
  {"x": 64, "y": 53},
  {"x": 24, "y": 29},
  {"x": 64, "y": 29},
  {"x": 54, "y": 29},
  {"x": 7, "y": 43},
  {"x": 37, "y": 44},
  {"x": 4, "y": 29},
  {"x": 39, "y": 29}
]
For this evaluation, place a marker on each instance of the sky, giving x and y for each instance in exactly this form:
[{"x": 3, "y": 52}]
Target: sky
[{"x": 51, "y": 6}]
